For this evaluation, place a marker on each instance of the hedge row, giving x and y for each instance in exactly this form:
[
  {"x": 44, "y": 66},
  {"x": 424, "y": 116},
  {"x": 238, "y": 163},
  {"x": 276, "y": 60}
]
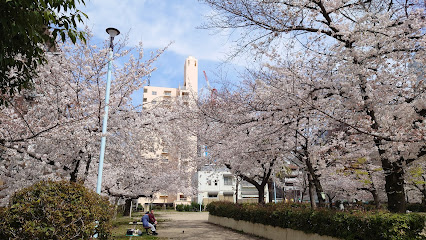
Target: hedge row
[
  {"x": 194, "y": 207},
  {"x": 345, "y": 225}
]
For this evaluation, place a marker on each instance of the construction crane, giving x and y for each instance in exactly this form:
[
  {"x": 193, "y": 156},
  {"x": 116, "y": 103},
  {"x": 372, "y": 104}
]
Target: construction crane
[{"x": 213, "y": 91}]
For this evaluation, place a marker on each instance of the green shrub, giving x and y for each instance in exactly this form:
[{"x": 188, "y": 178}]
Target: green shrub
[
  {"x": 56, "y": 210},
  {"x": 355, "y": 225},
  {"x": 179, "y": 208},
  {"x": 157, "y": 207},
  {"x": 140, "y": 207},
  {"x": 194, "y": 207},
  {"x": 187, "y": 208}
]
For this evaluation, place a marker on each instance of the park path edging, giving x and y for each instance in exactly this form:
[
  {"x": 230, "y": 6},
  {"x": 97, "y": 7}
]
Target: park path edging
[{"x": 266, "y": 231}]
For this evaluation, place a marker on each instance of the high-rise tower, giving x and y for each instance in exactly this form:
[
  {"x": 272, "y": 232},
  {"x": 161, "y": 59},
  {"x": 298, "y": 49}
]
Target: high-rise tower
[{"x": 190, "y": 75}]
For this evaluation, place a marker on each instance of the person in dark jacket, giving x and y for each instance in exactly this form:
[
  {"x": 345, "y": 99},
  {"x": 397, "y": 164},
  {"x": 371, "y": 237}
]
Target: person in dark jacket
[
  {"x": 146, "y": 223},
  {"x": 152, "y": 219}
]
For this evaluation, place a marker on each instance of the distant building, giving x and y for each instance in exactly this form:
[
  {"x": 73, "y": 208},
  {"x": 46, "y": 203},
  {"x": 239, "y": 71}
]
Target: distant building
[
  {"x": 153, "y": 95},
  {"x": 218, "y": 184},
  {"x": 292, "y": 185},
  {"x": 188, "y": 92}
]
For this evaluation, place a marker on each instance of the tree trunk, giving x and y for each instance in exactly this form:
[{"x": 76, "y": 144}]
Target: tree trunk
[
  {"x": 314, "y": 180},
  {"x": 261, "y": 190},
  {"x": 260, "y": 187},
  {"x": 394, "y": 173},
  {"x": 270, "y": 191},
  {"x": 311, "y": 192},
  {"x": 375, "y": 198},
  {"x": 88, "y": 162},
  {"x": 313, "y": 177},
  {"x": 236, "y": 190},
  {"x": 74, "y": 173},
  {"x": 394, "y": 185},
  {"x": 116, "y": 207},
  {"x": 330, "y": 201},
  {"x": 127, "y": 206},
  {"x": 373, "y": 190}
]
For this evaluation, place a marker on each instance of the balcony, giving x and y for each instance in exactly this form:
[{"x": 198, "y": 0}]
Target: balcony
[
  {"x": 247, "y": 184},
  {"x": 249, "y": 193}
]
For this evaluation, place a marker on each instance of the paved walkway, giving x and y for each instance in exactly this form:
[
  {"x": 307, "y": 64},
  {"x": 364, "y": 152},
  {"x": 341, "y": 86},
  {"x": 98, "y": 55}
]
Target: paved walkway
[{"x": 194, "y": 225}]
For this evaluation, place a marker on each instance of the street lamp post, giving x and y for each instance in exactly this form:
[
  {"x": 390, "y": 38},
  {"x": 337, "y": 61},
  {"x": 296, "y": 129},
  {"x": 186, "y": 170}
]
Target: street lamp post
[
  {"x": 112, "y": 33},
  {"x": 275, "y": 193}
]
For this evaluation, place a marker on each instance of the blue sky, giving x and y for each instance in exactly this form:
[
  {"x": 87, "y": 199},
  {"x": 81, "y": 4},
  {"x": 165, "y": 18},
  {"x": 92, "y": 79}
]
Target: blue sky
[{"x": 157, "y": 23}]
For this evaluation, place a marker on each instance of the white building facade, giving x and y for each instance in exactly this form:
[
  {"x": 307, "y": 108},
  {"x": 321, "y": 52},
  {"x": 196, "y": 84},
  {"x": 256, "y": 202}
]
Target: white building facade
[{"x": 218, "y": 184}]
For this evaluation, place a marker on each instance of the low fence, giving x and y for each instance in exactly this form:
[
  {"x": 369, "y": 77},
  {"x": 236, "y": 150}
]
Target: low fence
[{"x": 266, "y": 231}]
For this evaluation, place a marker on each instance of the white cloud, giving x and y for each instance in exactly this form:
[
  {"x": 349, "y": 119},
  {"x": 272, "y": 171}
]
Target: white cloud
[{"x": 157, "y": 23}]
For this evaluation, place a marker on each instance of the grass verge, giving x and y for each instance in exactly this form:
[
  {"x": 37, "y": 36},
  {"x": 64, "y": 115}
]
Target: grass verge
[{"x": 121, "y": 224}]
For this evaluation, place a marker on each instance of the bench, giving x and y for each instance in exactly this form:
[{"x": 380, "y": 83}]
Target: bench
[
  {"x": 139, "y": 223},
  {"x": 135, "y": 223},
  {"x": 147, "y": 230}
]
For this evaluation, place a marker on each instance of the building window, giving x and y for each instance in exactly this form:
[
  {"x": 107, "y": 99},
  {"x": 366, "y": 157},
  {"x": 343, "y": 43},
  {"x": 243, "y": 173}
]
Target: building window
[
  {"x": 227, "y": 181},
  {"x": 145, "y": 90},
  {"x": 154, "y": 93},
  {"x": 144, "y": 99},
  {"x": 215, "y": 182},
  {"x": 212, "y": 195},
  {"x": 167, "y": 93},
  {"x": 154, "y": 102},
  {"x": 181, "y": 196}
]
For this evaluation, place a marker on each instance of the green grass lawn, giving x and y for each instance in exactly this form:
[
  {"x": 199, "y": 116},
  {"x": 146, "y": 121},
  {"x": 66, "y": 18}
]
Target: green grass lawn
[{"x": 121, "y": 224}]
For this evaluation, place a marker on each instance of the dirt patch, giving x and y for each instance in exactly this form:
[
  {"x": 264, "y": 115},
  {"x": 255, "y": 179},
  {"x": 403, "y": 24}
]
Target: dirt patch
[{"x": 194, "y": 225}]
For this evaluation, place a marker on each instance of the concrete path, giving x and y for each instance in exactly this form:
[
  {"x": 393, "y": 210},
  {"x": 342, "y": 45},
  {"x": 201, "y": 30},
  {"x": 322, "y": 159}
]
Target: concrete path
[{"x": 194, "y": 225}]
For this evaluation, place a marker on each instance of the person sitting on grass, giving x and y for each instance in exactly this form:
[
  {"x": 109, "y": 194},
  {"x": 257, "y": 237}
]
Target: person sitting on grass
[{"x": 146, "y": 223}]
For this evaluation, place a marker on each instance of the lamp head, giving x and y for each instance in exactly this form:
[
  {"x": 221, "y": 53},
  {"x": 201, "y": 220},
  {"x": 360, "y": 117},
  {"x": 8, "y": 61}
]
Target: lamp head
[{"x": 112, "y": 32}]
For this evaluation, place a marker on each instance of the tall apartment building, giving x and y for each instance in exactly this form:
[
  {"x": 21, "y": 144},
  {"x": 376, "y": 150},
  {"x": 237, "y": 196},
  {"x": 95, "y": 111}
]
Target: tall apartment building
[
  {"x": 188, "y": 92},
  {"x": 153, "y": 95}
]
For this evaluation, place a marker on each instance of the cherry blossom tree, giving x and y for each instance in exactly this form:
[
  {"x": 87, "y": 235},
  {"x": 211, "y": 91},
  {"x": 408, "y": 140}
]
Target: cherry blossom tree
[
  {"x": 240, "y": 136},
  {"x": 363, "y": 63},
  {"x": 369, "y": 177},
  {"x": 360, "y": 180},
  {"x": 253, "y": 120},
  {"x": 54, "y": 130}
]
